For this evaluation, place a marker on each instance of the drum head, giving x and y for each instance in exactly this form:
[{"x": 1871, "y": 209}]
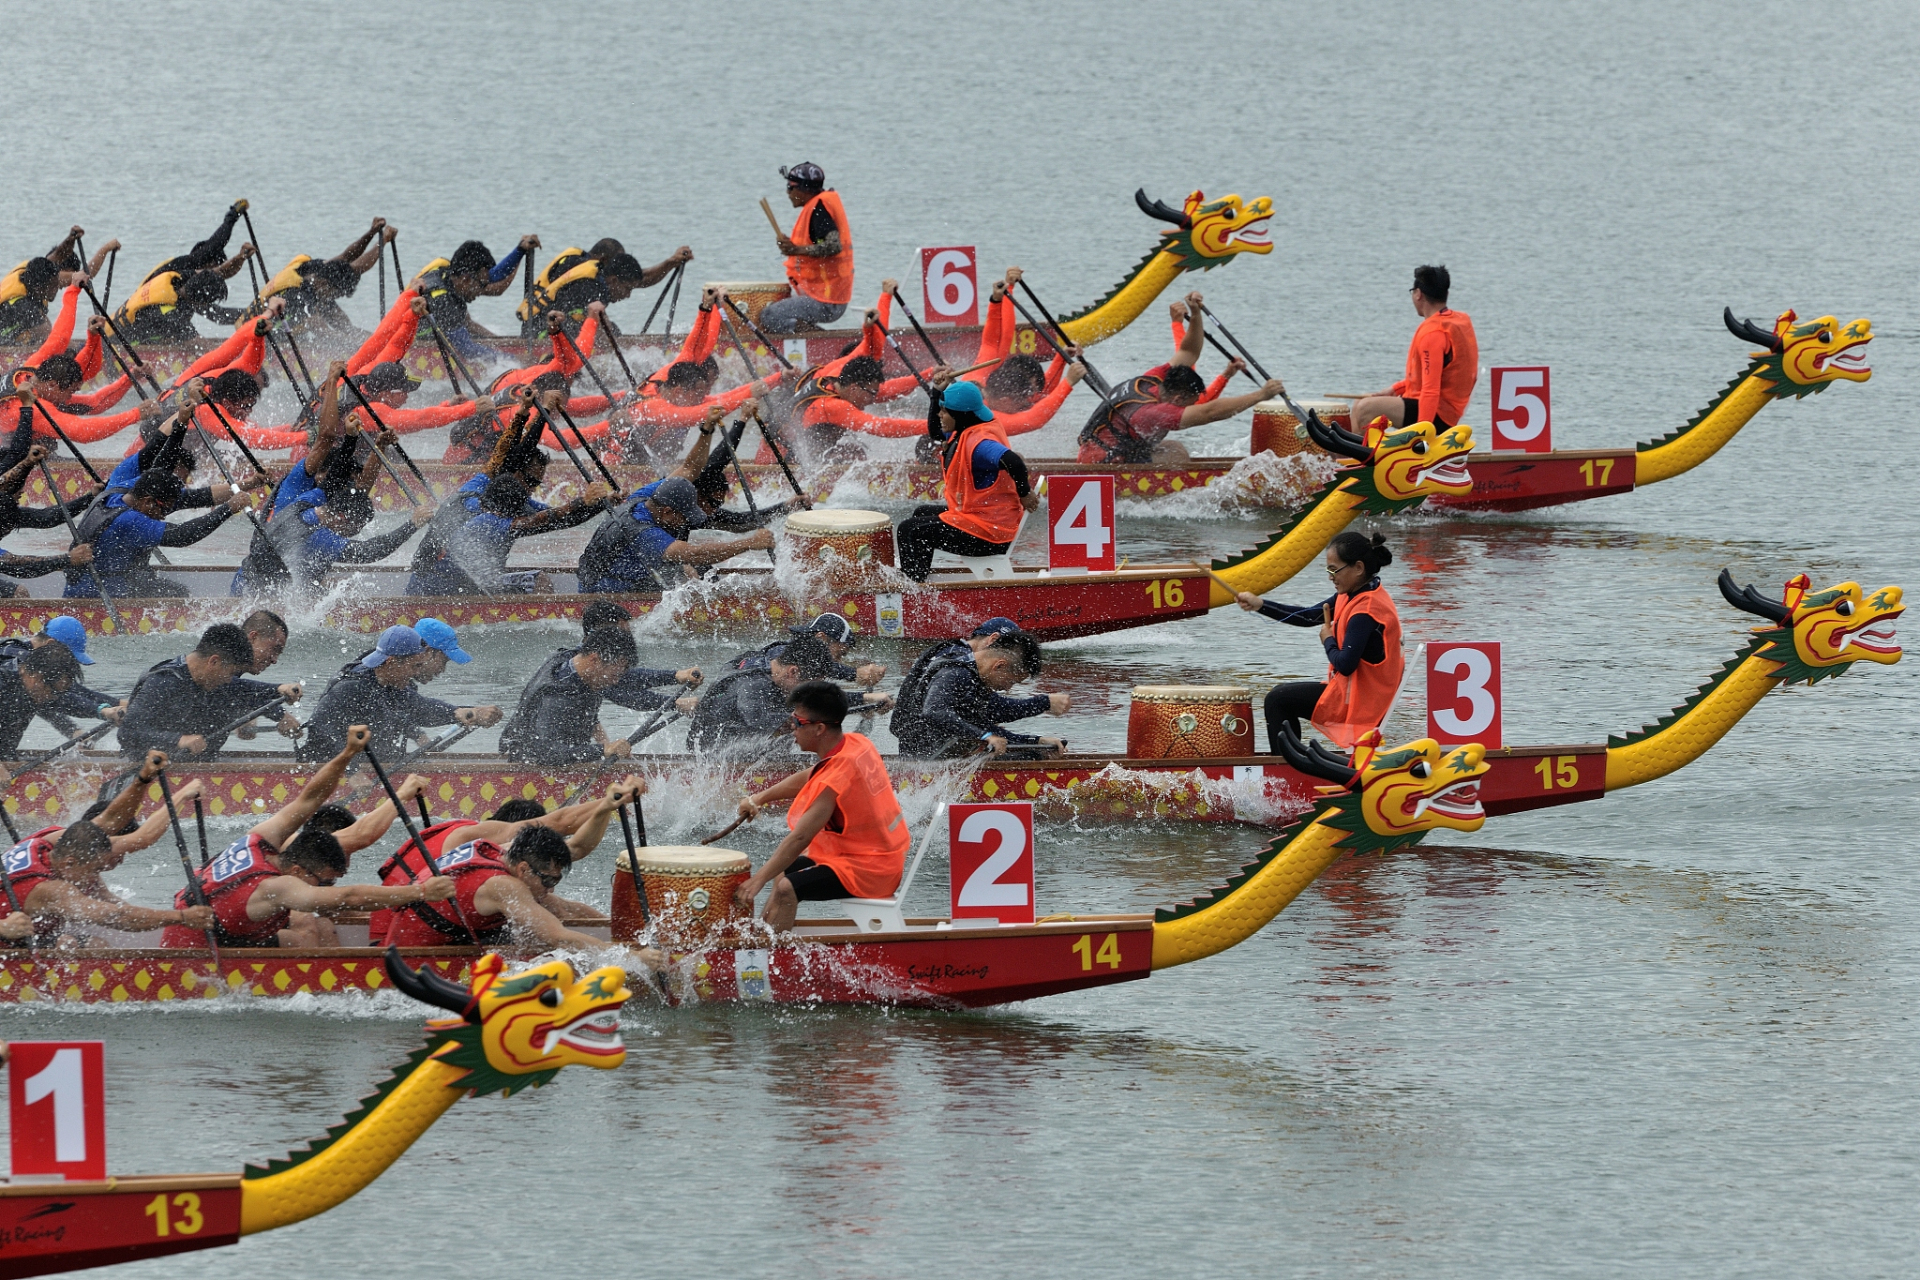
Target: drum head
[
  {"x": 830, "y": 522},
  {"x": 685, "y": 860},
  {"x": 1190, "y": 693}
]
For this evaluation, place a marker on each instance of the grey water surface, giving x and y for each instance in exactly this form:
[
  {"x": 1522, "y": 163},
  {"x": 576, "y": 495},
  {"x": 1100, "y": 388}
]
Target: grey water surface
[{"x": 1671, "y": 1032}]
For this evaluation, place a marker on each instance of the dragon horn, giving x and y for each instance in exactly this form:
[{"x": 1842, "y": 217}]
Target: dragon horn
[
  {"x": 1314, "y": 763},
  {"x": 1334, "y": 440},
  {"x": 1155, "y": 209},
  {"x": 429, "y": 987},
  {"x": 1748, "y": 331},
  {"x": 1747, "y": 600}
]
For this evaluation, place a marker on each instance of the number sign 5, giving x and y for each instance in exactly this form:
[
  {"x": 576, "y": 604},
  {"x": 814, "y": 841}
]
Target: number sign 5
[
  {"x": 1080, "y": 524},
  {"x": 990, "y": 861},
  {"x": 57, "y": 1105},
  {"x": 1463, "y": 693},
  {"x": 1522, "y": 409}
]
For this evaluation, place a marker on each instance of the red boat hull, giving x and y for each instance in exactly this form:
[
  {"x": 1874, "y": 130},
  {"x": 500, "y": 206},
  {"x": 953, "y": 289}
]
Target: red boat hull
[
  {"x": 65, "y": 1226},
  {"x": 1524, "y": 481}
]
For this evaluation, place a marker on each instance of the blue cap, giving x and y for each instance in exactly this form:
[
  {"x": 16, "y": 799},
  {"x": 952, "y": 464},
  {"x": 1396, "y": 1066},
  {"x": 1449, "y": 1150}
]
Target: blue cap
[
  {"x": 965, "y": 397},
  {"x": 997, "y": 627},
  {"x": 436, "y": 634},
  {"x": 394, "y": 642},
  {"x": 70, "y": 633}
]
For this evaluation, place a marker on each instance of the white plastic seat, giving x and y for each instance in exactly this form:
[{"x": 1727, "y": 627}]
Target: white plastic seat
[
  {"x": 1000, "y": 566},
  {"x": 874, "y": 915}
]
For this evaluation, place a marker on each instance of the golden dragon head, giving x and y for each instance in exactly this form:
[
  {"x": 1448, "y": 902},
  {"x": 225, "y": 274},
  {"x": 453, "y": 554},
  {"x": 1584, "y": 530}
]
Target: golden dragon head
[
  {"x": 1816, "y": 634},
  {"x": 1208, "y": 232},
  {"x": 517, "y": 1029},
  {"x": 1393, "y": 796},
  {"x": 1398, "y": 466},
  {"x": 1802, "y": 359}
]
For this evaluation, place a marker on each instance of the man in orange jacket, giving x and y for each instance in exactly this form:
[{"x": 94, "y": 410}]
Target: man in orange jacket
[
  {"x": 819, "y": 256},
  {"x": 1443, "y": 362}
]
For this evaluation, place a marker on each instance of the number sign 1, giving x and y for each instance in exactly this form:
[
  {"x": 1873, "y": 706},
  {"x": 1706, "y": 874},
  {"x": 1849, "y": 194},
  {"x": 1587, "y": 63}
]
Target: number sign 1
[
  {"x": 57, "y": 1106},
  {"x": 1463, "y": 693},
  {"x": 1522, "y": 409},
  {"x": 990, "y": 861},
  {"x": 1080, "y": 523},
  {"x": 951, "y": 285}
]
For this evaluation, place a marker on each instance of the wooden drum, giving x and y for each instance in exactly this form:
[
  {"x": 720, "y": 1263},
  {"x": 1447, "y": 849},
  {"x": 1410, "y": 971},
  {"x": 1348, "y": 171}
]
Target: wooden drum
[
  {"x": 1276, "y": 430},
  {"x": 689, "y": 895},
  {"x": 850, "y": 545},
  {"x": 1185, "y": 722}
]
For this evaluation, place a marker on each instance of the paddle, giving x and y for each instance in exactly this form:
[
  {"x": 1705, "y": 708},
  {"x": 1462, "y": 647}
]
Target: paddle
[
  {"x": 924, "y": 384},
  {"x": 1247, "y": 355},
  {"x": 196, "y": 893},
  {"x": 200, "y": 821},
  {"x": 399, "y": 280},
  {"x": 660, "y": 721},
  {"x": 254, "y": 238},
  {"x": 598, "y": 463},
  {"x": 383, "y": 282},
  {"x": 250, "y": 717},
  {"x": 587, "y": 364},
  {"x": 406, "y": 819},
  {"x": 294, "y": 346},
  {"x": 253, "y": 278},
  {"x": 660, "y": 298},
  {"x": 426, "y": 819},
  {"x": 781, "y": 458},
  {"x": 73, "y": 532},
  {"x": 306, "y": 397},
  {"x": 112, "y": 259},
  {"x": 931, "y": 349},
  {"x": 574, "y": 458},
  {"x": 1095, "y": 378},
  {"x": 79, "y": 740},
  {"x": 227, "y": 475},
  {"x": 1224, "y": 584},
  {"x": 380, "y": 453},
  {"x": 13, "y": 833},
  {"x": 639, "y": 881},
  {"x": 673, "y": 306},
  {"x": 106, "y": 341},
  {"x": 235, "y": 437},
  {"x": 71, "y": 447},
  {"x": 448, "y": 738},
  {"x": 773, "y": 348}
]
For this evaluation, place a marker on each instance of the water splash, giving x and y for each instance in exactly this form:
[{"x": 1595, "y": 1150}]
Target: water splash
[{"x": 1254, "y": 488}]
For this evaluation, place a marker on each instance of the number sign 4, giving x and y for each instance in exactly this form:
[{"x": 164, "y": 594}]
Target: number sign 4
[
  {"x": 1522, "y": 409},
  {"x": 950, "y": 285},
  {"x": 990, "y": 861},
  {"x": 1080, "y": 523},
  {"x": 1463, "y": 693},
  {"x": 57, "y": 1105}
]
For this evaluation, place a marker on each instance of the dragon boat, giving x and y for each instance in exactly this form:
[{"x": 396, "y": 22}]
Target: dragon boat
[
  {"x": 508, "y": 1032},
  {"x": 1395, "y": 796}
]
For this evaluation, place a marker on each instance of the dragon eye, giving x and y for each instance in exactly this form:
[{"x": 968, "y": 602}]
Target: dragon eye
[
  {"x": 550, "y": 997},
  {"x": 1420, "y": 446},
  {"x": 1421, "y": 769},
  {"x": 1844, "y": 608},
  {"x": 1824, "y": 336}
]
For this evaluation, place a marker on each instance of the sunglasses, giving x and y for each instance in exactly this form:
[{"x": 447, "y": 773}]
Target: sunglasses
[
  {"x": 798, "y": 723},
  {"x": 548, "y": 882},
  {"x": 1334, "y": 573}
]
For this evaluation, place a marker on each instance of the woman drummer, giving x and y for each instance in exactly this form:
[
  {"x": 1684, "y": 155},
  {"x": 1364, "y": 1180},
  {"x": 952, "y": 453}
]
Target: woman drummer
[{"x": 1361, "y": 632}]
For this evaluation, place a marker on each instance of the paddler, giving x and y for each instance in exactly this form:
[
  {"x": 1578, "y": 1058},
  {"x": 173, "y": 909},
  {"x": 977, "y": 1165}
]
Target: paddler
[
  {"x": 57, "y": 873},
  {"x": 826, "y": 406},
  {"x": 1360, "y": 630},
  {"x": 965, "y": 708},
  {"x": 310, "y": 534},
  {"x": 838, "y": 634},
  {"x": 1443, "y": 362},
  {"x": 986, "y": 488},
  {"x": 1132, "y": 425},
  {"x": 911, "y": 698},
  {"x": 181, "y": 705},
  {"x": 127, "y": 535},
  {"x": 273, "y": 888},
  {"x": 605, "y": 273},
  {"x": 557, "y": 720},
  {"x": 1022, "y": 393},
  {"x": 27, "y": 290},
  {"x": 819, "y": 255},
  {"x": 748, "y": 709},
  {"x": 33, "y": 684},
  {"x": 78, "y": 700},
  {"x": 162, "y": 307},
  {"x": 381, "y": 690},
  {"x": 312, "y": 287},
  {"x": 846, "y": 836},
  {"x": 449, "y": 284}
]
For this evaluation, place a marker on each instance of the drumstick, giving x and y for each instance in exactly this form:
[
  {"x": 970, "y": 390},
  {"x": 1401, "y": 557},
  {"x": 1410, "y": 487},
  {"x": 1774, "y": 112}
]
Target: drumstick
[
  {"x": 974, "y": 368},
  {"x": 722, "y": 835},
  {"x": 771, "y": 220},
  {"x": 1336, "y": 395}
]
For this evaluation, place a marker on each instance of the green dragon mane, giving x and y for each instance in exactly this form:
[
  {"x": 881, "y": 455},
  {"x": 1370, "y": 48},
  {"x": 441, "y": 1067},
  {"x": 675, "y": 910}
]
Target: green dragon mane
[
  {"x": 1179, "y": 243},
  {"x": 468, "y": 1052},
  {"x": 1355, "y": 480},
  {"x": 1770, "y": 369}
]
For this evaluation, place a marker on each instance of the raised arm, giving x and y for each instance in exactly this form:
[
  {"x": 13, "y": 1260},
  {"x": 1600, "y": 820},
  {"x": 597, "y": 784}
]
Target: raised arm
[
  {"x": 279, "y": 829},
  {"x": 127, "y": 803}
]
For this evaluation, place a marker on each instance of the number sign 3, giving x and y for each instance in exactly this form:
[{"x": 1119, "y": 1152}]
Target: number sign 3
[
  {"x": 990, "y": 861},
  {"x": 1522, "y": 409},
  {"x": 1080, "y": 524},
  {"x": 1463, "y": 693},
  {"x": 57, "y": 1105}
]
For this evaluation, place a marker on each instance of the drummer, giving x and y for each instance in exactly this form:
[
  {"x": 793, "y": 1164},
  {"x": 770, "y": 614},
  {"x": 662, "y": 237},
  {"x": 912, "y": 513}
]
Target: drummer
[
  {"x": 985, "y": 486},
  {"x": 1360, "y": 630},
  {"x": 846, "y": 836}
]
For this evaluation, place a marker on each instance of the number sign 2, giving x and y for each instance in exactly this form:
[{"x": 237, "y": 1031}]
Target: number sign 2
[
  {"x": 950, "y": 284},
  {"x": 1463, "y": 693},
  {"x": 1080, "y": 523},
  {"x": 990, "y": 861},
  {"x": 57, "y": 1106},
  {"x": 1522, "y": 409}
]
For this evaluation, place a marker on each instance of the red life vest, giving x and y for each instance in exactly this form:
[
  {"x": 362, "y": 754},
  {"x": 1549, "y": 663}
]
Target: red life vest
[
  {"x": 1111, "y": 425},
  {"x": 391, "y": 873},
  {"x": 228, "y": 883},
  {"x": 991, "y": 514},
  {"x": 1351, "y": 705},
  {"x": 27, "y": 867},
  {"x": 828, "y": 280},
  {"x": 437, "y": 924}
]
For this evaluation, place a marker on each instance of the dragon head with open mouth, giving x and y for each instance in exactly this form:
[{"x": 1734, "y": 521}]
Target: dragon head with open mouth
[
  {"x": 1817, "y": 634},
  {"x": 1802, "y": 359},
  {"x": 517, "y": 1029},
  {"x": 1208, "y": 232},
  {"x": 1395, "y": 795},
  {"x": 1395, "y": 467}
]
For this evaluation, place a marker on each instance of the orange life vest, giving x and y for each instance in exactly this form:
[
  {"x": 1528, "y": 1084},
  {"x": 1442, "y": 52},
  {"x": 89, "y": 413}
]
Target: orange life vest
[
  {"x": 991, "y": 514},
  {"x": 868, "y": 847},
  {"x": 1353, "y": 704},
  {"x": 828, "y": 280}
]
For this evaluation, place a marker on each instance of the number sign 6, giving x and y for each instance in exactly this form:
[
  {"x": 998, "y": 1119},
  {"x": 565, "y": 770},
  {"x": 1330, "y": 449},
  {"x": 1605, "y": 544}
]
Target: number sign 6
[
  {"x": 991, "y": 861},
  {"x": 950, "y": 285},
  {"x": 1463, "y": 693},
  {"x": 1522, "y": 409}
]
